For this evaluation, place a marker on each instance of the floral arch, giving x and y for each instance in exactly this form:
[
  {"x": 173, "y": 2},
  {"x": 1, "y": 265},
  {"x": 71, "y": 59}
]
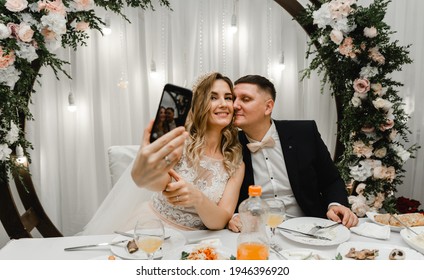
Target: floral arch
[
  {"x": 352, "y": 51},
  {"x": 355, "y": 56}
]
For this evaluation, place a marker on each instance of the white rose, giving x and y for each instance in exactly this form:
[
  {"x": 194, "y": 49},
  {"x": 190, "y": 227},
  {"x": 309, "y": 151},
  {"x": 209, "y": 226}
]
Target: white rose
[
  {"x": 380, "y": 103},
  {"x": 25, "y": 32},
  {"x": 380, "y": 153},
  {"x": 336, "y": 36},
  {"x": 5, "y": 152},
  {"x": 370, "y": 32},
  {"x": 16, "y": 5},
  {"x": 356, "y": 101},
  {"x": 5, "y": 32}
]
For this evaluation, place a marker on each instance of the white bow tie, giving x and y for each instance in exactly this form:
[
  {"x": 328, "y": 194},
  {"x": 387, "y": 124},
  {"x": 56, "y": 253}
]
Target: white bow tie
[{"x": 256, "y": 146}]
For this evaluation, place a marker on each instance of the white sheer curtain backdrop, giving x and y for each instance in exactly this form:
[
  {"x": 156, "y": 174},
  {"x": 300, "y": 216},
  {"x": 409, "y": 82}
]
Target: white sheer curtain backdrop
[{"x": 69, "y": 160}]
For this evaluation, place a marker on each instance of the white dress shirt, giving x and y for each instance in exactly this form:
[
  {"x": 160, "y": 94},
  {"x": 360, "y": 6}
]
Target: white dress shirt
[{"x": 270, "y": 172}]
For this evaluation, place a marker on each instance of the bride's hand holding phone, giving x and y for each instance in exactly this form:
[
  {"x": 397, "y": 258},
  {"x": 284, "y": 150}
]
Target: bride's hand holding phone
[{"x": 154, "y": 160}]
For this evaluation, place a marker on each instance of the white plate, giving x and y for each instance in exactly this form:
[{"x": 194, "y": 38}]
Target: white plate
[
  {"x": 304, "y": 254},
  {"x": 371, "y": 215},
  {"x": 383, "y": 250},
  {"x": 409, "y": 237},
  {"x": 338, "y": 234},
  {"x": 224, "y": 252},
  {"x": 177, "y": 240}
]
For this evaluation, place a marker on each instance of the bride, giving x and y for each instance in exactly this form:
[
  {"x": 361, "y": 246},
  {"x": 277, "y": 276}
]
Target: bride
[{"x": 202, "y": 189}]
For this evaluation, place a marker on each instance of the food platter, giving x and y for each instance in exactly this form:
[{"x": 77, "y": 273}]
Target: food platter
[
  {"x": 384, "y": 250},
  {"x": 371, "y": 216}
]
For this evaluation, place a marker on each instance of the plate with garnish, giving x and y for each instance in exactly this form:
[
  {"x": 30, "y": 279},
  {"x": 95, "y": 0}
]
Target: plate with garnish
[{"x": 205, "y": 250}]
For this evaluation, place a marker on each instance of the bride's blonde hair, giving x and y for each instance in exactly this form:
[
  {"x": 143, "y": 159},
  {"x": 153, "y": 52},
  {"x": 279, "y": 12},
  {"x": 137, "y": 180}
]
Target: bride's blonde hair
[{"x": 197, "y": 122}]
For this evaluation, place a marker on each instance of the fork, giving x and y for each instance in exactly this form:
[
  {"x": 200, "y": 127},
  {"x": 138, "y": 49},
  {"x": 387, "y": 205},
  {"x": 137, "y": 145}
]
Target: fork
[{"x": 318, "y": 227}]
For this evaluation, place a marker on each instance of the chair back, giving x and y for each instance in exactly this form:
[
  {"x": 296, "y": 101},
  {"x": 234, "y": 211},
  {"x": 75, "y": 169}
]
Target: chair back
[{"x": 17, "y": 225}]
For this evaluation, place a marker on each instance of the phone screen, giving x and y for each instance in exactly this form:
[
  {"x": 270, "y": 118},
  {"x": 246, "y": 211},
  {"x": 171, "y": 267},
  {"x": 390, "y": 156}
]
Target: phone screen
[{"x": 173, "y": 109}]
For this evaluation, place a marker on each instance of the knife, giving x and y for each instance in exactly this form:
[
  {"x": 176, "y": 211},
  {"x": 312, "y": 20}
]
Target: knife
[
  {"x": 94, "y": 245},
  {"x": 304, "y": 233}
]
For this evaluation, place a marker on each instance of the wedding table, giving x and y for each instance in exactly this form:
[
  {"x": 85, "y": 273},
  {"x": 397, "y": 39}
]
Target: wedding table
[{"x": 53, "y": 248}]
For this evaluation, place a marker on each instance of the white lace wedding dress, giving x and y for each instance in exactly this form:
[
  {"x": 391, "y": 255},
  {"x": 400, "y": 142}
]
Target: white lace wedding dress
[{"x": 126, "y": 202}]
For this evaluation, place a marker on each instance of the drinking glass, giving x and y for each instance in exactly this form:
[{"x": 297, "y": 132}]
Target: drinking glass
[
  {"x": 276, "y": 215},
  {"x": 149, "y": 235}
]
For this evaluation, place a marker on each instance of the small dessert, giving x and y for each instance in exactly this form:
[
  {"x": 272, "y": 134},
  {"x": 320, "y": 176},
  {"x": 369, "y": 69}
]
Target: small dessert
[
  {"x": 111, "y": 258},
  {"x": 364, "y": 254},
  {"x": 132, "y": 246},
  {"x": 397, "y": 254}
]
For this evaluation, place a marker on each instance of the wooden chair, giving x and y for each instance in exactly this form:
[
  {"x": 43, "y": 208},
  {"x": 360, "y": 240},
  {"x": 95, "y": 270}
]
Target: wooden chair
[{"x": 17, "y": 225}]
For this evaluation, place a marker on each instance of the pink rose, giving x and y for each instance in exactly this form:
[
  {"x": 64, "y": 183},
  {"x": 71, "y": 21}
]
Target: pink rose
[
  {"x": 83, "y": 5},
  {"x": 48, "y": 34},
  {"x": 376, "y": 56},
  {"x": 25, "y": 32},
  {"x": 388, "y": 125},
  {"x": 16, "y": 5},
  {"x": 6, "y": 59},
  {"x": 55, "y": 6},
  {"x": 367, "y": 129},
  {"x": 381, "y": 153},
  {"x": 370, "y": 32},
  {"x": 360, "y": 149},
  {"x": 361, "y": 85},
  {"x": 82, "y": 26}
]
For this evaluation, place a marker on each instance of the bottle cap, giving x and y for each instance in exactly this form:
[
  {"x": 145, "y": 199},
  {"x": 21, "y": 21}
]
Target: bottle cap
[{"x": 255, "y": 190}]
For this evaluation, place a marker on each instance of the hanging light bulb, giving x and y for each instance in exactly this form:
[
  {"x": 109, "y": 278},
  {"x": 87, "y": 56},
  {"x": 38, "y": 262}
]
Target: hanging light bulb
[
  {"x": 71, "y": 102},
  {"x": 281, "y": 65},
  {"x": 107, "y": 30},
  {"x": 21, "y": 159},
  {"x": 233, "y": 27},
  {"x": 153, "y": 72},
  {"x": 123, "y": 81}
]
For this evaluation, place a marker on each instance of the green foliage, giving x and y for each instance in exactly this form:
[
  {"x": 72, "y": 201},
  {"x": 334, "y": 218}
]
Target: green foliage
[
  {"x": 15, "y": 96},
  {"x": 373, "y": 119}
]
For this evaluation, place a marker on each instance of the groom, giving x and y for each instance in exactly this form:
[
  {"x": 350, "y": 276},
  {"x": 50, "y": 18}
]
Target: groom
[{"x": 287, "y": 158}]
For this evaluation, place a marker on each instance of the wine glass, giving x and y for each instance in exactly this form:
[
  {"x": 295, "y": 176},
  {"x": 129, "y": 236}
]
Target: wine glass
[
  {"x": 149, "y": 236},
  {"x": 276, "y": 215}
]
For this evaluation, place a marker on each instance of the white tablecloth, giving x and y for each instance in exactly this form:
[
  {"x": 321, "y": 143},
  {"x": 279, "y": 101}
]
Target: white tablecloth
[{"x": 53, "y": 248}]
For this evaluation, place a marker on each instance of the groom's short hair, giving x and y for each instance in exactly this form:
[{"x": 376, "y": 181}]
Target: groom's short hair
[{"x": 262, "y": 82}]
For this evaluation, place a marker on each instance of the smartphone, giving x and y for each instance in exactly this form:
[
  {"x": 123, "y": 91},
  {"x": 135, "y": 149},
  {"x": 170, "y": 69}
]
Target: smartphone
[{"x": 173, "y": 110}]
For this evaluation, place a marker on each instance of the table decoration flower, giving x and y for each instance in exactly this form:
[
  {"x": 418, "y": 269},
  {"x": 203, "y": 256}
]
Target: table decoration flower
[
  {"x": 30, "y": 32},
  {"x": 356, "y": 57}
]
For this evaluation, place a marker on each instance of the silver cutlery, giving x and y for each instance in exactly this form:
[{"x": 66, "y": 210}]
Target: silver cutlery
[
  {"x": 281, "y": 256},
  {"x": 132, "y": 235},
  {"x": 304, "y": 233},
  {"x": 94, "y": 245},
  {"x": 400, "y": 222},
  {"x": 318, "y": 227}
]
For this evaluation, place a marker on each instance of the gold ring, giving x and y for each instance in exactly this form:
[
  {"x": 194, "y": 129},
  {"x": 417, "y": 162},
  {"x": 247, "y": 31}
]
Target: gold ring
[
  {"x": 167, "y": 160},
  {"x": 178, "y": 198}
]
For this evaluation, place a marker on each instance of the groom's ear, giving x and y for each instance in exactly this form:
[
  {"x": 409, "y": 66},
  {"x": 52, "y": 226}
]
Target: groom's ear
[{"x": 269, "y": 106}]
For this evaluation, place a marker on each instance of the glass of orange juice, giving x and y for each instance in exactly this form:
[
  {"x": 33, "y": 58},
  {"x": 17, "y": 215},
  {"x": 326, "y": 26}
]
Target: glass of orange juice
[
  {"x": 276, "y": 215},
  {"x": 149, "y": 235}
]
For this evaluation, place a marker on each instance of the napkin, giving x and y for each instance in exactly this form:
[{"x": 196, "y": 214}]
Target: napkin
[{"x": 372, "y": 230}]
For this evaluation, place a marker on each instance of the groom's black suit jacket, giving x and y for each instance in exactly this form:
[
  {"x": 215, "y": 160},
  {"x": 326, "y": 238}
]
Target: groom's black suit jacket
[{"x": 314, "y": 178}]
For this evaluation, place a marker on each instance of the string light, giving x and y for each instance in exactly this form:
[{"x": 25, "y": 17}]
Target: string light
[
  {"x": 21, "y": 159},
  {"x": 71, "y": 102},
  {"x": 153, "y": 71},
  {"x": 281, "y": 65},
  {"x": 107, "y": 30},
  {"x": 233, "y": 27}
]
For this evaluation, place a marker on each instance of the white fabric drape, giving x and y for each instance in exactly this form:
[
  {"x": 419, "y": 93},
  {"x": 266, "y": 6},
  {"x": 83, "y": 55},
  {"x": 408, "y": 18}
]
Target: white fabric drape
[{"x": 69, "y": 160}]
